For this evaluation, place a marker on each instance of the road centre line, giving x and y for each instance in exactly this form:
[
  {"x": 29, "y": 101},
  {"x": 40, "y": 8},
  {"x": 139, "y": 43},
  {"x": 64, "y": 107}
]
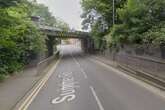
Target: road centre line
[
  {"x": 150, "y": 88},
  {"x": 97, "y": 99},
  {"x": 85, "y": 75},
  {"x": 81, "y": 69}
]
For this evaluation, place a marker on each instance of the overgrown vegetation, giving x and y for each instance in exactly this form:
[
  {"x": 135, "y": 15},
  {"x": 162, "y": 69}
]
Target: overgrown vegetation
[
  {"x": 136, "y": 21},
  {"x": 142, "y": 22},
  {"x": 20, "y": 40}
]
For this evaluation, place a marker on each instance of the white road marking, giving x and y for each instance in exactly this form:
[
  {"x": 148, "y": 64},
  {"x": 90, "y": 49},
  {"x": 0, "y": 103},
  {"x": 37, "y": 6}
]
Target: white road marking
[
  {"x": 84, "y": 73},
  {"x": 150, "y": 88},
  {"x": 34, "y": 93},
  {"x": 97, "y": 99},
  {"x": 67, "y": 88},
  {"x": 81, "y": 69}
]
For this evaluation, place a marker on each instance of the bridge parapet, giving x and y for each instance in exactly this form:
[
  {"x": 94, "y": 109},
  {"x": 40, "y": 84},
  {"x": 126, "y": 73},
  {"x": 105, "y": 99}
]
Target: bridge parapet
[{"x": 51, "y": 31}]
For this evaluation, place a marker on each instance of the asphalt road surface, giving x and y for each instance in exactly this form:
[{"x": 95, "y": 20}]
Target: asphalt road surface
[{"x": 81, "y": 83}]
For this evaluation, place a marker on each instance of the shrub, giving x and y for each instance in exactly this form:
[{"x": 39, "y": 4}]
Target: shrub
[
  {"x": 19, "y": 40},
  {"x": 155, "y": 36}
]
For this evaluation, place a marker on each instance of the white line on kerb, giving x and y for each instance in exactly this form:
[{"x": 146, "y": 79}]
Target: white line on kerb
[{"x": 97, "y": 99}]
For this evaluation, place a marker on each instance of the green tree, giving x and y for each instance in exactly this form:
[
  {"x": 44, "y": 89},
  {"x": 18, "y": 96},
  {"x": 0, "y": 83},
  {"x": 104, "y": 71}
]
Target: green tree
[
  {"x": 141, "y": 22},
  {"x": 8, "y": 3},
  {"x": 47, "y": 17},
  {"x": 43, "y": 12},
  {"x": 19, "y": 38},
  {"x": 97, "y": 15},
  {"x": 62, "y": 25}
]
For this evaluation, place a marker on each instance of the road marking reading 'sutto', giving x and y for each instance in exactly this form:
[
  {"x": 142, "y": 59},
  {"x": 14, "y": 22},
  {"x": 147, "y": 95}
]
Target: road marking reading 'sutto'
[{"x": 67, "y": 88}]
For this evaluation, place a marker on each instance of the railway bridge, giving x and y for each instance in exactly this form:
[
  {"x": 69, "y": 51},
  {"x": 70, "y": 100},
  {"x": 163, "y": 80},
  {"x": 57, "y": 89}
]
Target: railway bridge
[{"x": 52, "y": 34}]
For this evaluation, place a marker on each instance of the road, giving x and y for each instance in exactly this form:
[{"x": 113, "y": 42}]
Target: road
[{"x": 81, "y": 83}]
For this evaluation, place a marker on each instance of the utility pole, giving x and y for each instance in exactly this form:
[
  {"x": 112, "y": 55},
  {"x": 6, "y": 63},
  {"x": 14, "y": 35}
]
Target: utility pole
[{"x": 113, "y": 12}]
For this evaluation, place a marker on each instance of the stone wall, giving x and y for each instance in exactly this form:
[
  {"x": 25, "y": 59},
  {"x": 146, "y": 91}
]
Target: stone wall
[
  {"x": 151, "y": 66},
  {"x": 150, "y": 60}
]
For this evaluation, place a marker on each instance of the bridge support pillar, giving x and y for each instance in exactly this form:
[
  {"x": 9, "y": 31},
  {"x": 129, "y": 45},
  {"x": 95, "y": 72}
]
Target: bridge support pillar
[
  {"x": 87, "y": 45},
  {"x": 50, "y": 45}
]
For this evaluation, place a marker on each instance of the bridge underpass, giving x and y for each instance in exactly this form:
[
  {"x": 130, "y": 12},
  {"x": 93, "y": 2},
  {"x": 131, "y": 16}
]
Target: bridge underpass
[{"x": 53, "y": 36}]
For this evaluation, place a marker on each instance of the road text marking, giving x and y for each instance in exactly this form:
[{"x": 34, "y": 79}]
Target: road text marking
[{"x": 67, "y": 88}]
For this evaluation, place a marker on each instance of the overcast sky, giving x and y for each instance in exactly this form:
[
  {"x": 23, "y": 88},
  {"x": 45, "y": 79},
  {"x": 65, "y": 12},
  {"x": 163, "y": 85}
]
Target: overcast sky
[{"x": 67, "y": 10}]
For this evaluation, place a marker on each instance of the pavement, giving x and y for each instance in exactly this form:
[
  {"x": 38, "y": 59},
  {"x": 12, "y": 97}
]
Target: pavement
[
  {"x": 107, "y": 61},
  {"x": 82, "y": 83},
  {"x": 14, "y": 88}
]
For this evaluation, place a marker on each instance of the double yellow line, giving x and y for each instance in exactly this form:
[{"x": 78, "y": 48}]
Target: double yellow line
[{"x": 32, "y": 95}]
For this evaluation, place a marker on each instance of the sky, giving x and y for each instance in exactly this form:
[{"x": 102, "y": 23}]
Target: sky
[{"x": 67, "y": 10}]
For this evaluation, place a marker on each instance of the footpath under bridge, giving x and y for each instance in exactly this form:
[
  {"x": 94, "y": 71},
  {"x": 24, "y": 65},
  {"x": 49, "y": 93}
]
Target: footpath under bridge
[{"x": 52, "y": 33}]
